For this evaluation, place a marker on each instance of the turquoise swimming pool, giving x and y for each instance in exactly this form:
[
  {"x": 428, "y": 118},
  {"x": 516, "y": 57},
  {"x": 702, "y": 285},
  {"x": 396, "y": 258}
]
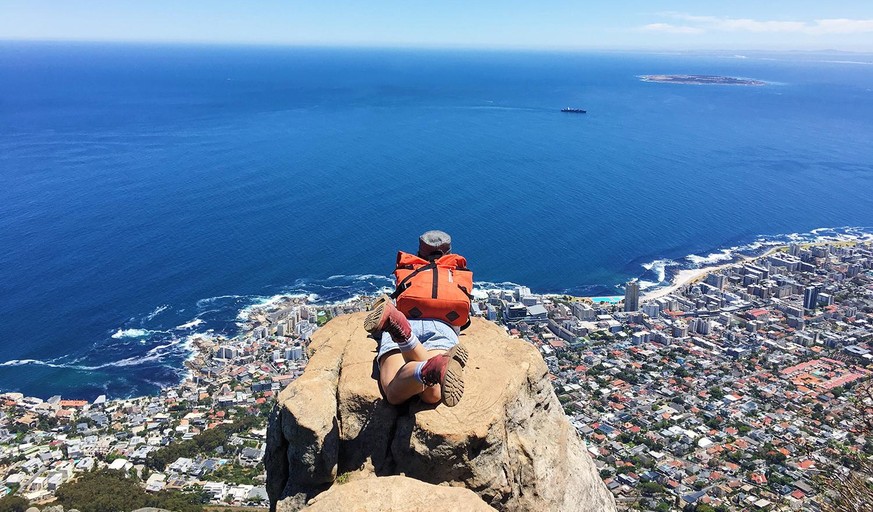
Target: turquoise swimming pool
[{"x": 611, "y": 300}]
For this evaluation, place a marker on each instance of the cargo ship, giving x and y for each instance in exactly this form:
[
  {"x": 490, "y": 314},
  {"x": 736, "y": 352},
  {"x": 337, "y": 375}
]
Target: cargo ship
[{"x": 573, "y": 110}]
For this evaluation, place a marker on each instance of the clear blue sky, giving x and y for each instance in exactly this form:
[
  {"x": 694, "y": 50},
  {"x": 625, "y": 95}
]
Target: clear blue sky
[{"x": 582, "y": 24}]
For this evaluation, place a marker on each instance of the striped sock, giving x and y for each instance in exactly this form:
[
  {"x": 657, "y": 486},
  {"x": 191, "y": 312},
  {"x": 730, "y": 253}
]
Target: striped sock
[
  {"x": 410, "y": 344},
  {"x": 417, "y": 373}
]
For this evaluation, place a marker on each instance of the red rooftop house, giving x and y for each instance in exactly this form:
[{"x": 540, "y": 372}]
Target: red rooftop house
[
  {"x": 759, "y": 314},
  {"x": 758, "y": 478}
]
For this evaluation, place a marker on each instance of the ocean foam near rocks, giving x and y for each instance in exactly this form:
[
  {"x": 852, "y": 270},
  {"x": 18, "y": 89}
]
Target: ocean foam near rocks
[
  {"x": 131, "y": 333},
  {"x": 189, "y": 325}
]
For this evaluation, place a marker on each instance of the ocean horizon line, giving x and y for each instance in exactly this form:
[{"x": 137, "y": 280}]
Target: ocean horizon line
[{"x": 690, "y": 51}]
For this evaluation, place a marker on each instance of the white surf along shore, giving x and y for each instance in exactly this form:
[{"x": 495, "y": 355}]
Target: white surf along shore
[{"x": 689, "y": 276}]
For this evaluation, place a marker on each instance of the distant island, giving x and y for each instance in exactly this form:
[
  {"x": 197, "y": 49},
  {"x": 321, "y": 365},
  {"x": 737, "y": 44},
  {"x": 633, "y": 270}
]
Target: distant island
[{"x": 700, "y": 80}]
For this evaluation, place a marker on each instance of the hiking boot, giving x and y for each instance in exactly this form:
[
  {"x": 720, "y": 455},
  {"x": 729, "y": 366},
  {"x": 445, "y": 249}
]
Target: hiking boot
[
  {"x": 449, "y": 374},
  {"x": 459, "y": 353},
  {"x": 385, "y": 317}
]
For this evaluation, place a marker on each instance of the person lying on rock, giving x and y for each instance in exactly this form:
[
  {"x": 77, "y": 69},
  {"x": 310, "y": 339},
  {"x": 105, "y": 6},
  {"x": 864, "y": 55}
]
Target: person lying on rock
[{"x": 421, "y": 355}]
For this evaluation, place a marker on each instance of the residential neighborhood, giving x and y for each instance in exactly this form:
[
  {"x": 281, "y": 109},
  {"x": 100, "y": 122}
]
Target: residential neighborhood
[{"x": 745, "y": 389}]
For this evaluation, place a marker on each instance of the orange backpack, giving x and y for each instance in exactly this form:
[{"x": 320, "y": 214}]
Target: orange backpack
[{"x": 439, "y": 289}]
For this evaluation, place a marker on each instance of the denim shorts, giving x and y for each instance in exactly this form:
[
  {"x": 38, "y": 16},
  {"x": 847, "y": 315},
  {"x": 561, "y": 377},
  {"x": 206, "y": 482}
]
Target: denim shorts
[{"x": 432, "y": 334}]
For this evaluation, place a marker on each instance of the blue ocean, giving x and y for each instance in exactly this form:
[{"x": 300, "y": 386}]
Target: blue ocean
[{"x": 151, "y": 192}]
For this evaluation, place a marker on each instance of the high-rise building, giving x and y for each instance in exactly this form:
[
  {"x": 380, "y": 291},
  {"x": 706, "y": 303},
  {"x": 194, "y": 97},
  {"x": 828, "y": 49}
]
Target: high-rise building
[
  {"x": 583, "y": 311},
  {"x": 632, "y": 296},
  {"x": 680, "y": 329},
  {"x": 521, "y": 292},
  {"x": 226, "y": 352},
  {"x": 701, "y": 326},
  {"x": 652, "y": 309},
  {"x": 810, "y": 297},
  {"x": 717, "y": 280},
  {"x": 282, "y": 329},
  {"x": 294, "y": 353}
]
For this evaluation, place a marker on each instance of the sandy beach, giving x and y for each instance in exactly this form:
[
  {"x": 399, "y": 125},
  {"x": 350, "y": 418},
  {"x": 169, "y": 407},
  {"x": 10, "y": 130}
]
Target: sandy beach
[
  {"x": 685, "y": 277},
  {"x": 692, "y": 275}
]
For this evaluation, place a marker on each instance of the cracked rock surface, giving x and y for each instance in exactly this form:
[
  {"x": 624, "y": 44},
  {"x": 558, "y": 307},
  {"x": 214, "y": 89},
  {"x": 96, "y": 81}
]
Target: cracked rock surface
[{"x": 507, "y": 441}]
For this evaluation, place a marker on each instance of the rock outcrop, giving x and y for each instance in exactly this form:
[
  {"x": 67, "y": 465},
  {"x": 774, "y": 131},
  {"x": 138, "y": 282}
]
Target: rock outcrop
[
  {"x": 378, "y": 494},
  {"x": 508, "y": 440}
]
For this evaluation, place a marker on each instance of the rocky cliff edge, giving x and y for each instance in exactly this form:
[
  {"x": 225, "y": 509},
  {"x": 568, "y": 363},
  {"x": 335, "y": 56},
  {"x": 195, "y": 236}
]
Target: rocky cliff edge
[{"x": 508, "y": 440}]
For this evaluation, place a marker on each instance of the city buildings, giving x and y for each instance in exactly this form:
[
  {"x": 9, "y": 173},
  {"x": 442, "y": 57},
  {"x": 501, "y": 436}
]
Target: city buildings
[
  {"x": 738, "y": 391},
  {"x": 632, "y": 296}
]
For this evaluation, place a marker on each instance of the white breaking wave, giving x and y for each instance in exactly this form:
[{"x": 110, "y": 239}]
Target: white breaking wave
[
  {"x": 818, "y": 235},
  {"x": 157, "y": 311},
  {"x": 488, "y": 285},
  {"x": 659, "y": 268},
  {"x": 761, "y": 243},
  {"x": 131, "y": 333},
  {"x": 37, "y": 362},
  {"x": 202, "y": 302},
  {"x": 23, "y": 362},
  {"x": 368, "y": 277},
  {"x": 359, "y": 277},
  {"x": 153, "y": 355},
  {"x": 265, "y": 302},
  {"x": 176, "y": 346},
  {"x": 387, "y": 290},
  {"x": 189, "y": 325},
  {"x": 715, "y": 257}
]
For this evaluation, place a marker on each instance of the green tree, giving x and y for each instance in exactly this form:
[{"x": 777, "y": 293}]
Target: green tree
[
  {"x": 102, "y": 491},
  {"x": 716, "y": 392},
  {"x": 113, "y": 491},
  {"x": 625, "y": 469},
  {"x": 651, "y": 488},
  {"x": 205, "y": 442},
  {"x": 12, "y": 503}
]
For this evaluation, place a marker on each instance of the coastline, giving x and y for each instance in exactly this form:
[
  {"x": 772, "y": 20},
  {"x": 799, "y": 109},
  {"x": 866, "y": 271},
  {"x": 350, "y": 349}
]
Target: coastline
[
  {"x": 689, "y": 276},
  {"x": 196, "y": 341},
  {"x": 231, "y": 382}
]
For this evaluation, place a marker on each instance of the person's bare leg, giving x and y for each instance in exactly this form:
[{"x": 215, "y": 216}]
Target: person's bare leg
[
  {"x": 400, "y": 382},
  {"x": 419, "y": 353},
  {"x": 398, "y": 379}
]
